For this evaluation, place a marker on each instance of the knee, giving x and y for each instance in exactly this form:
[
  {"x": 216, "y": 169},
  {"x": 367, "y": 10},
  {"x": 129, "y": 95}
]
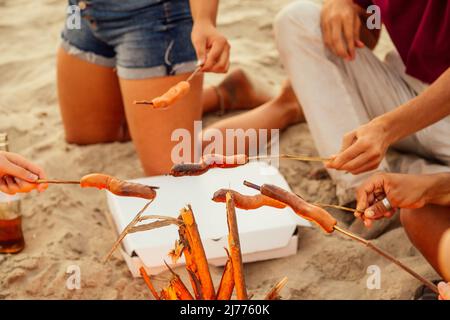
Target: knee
[{"x": 298, "y": 17}]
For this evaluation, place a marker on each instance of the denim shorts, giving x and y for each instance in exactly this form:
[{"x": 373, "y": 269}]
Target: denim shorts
[{"x": 141, "y": 38}]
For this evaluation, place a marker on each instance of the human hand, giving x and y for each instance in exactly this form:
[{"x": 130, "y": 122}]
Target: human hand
[
  {"x": 362, "y": 149},
  {"x": 444, "y": 291},
  {"x": 341, "y": 26},
  {"x": 402, "y": 191},
  {"x": 18, "y": 175},
  {"x": 213, "y": 49}
]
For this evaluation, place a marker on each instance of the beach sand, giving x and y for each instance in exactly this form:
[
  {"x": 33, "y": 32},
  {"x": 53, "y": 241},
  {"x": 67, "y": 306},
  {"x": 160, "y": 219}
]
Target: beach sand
[{"x": 68, "y": 226}]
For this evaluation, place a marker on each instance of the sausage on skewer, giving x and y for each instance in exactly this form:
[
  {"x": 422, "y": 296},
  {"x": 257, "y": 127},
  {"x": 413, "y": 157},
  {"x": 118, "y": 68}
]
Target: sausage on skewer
[
  {"x": 220, "y": 161},
  {"x": 313, "y": 213},
  {"x": 304, "y": 209},
  {"x": 117, "y": 186},
  {"x": 208, "y": 162},
  {"x": 172, "y": 95},
  {"x": 247, "y": 202}
]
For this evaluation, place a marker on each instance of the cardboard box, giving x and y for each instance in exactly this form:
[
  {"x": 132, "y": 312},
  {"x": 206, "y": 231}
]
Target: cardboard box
[{"x": 265, "y": 233}]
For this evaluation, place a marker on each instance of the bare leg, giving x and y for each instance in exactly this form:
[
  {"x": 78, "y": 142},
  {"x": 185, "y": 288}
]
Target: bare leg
[
  {"x": 90, "y": 101},
  {"x": 277, "y": 113},
  {"x": 237, "y": 92},
  {"x": 150, "y": 129},
  {"x": 444, "y": 255},
  {"x": 425, "y": 228}
]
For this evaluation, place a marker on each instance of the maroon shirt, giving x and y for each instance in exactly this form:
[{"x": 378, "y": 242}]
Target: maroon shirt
[{"x": 420, "y": 30}]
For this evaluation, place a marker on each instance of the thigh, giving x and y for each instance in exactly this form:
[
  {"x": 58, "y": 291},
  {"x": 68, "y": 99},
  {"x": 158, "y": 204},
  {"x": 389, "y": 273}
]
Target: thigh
[
  {"x": 425, "y": 228},
  {"x": 90, "y": 101},
  {"x": 151, "y": 130}
]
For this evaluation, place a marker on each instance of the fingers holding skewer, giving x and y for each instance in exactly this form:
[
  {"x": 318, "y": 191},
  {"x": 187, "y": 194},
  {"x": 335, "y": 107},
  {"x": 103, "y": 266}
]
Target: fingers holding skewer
[{"x": 330, "y": 224}]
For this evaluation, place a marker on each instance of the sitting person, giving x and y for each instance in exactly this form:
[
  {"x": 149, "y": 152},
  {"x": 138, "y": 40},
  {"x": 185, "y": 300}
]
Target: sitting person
[
  {"x": 424, "y": 203},
  {"x": 358, "y": 106}
]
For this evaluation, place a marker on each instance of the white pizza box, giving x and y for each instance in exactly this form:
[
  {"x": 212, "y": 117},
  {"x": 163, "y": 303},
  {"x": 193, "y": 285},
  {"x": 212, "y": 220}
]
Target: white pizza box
[{"x": 265, "y": 233}]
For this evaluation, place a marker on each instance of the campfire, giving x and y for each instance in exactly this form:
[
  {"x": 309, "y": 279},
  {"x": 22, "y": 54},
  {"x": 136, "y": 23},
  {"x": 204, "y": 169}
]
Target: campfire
[
  {"x": 191, "y": 247},
  {"x": 190, "y": 244}
]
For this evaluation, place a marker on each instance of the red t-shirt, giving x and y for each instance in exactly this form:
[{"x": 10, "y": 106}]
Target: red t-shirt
[{"x": 420, "y": 30}]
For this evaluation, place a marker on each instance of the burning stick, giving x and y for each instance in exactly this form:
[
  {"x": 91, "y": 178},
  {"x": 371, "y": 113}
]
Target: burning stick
[
  {"x": 112, "y": 184},
  {"x": 178, "y": 285},
  {"x": 191, "y": 265},
  {"x": 164, "y": 294},
  {"x": 235, "y": 250},
  {"x": 196, "y": 258},
  {"x": 176, "y": 252},
  {"x": 210, "y": 161},
  {"x": 172, "y": 95},
  {"x": 149, "y": 283},
  {"x": 281, "y": 194},
  {"x": 171, "y": 293},
  {"x": 226, "y": 287},
  {"x": 274, "y": 293}
]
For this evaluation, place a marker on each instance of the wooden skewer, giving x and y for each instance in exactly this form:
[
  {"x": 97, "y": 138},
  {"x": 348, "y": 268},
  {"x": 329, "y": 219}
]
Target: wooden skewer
[
  {"x": 50, "y": 181},
  {"x": 375, "y": 248},
  {"x": 324, "y": 205},
  {"x": 193, "y": 74},
  {"x": 383, "y": 253},
  {"x": 146, "y": 102},
  {"x": 290, "y": 157},
  {"x": 57, "y": 181}
]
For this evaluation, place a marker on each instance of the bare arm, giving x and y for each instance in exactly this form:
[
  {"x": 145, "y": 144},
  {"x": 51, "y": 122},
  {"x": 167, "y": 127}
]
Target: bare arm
[
  {"x": 439, "y": 189},
  {"x": 402, "y": 191},
  {"x": 212, "y": 48},
  {"x": 364, "y": 148},
  {"x": 424, "y": 110},
  {"x": 204, "y": 10}
]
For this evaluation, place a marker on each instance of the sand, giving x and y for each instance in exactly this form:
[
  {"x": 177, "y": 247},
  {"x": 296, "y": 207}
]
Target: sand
[{"x": 68, "y": 226}]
